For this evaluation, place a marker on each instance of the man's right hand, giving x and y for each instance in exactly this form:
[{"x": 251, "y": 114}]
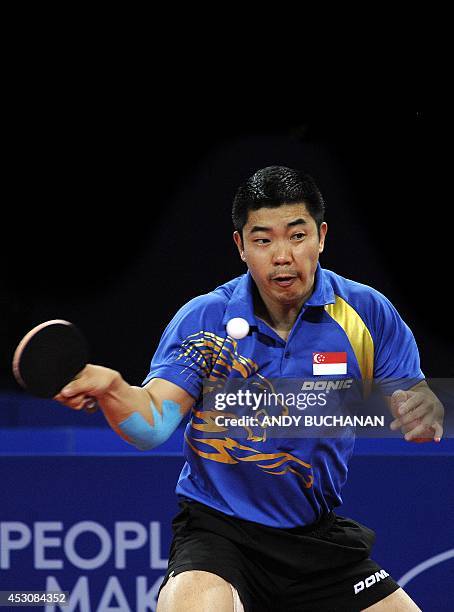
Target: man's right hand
[{"x": 93, "y": 381}]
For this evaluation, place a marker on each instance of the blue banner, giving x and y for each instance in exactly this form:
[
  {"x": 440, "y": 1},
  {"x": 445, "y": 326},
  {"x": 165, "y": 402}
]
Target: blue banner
[{"x": 99, "y": 526}]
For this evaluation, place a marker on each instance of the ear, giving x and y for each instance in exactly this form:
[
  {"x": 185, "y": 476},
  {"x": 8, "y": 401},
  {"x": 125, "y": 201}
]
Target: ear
[
  {"x": 239, "y": 243},
  {"x": 323, "y": 231}
]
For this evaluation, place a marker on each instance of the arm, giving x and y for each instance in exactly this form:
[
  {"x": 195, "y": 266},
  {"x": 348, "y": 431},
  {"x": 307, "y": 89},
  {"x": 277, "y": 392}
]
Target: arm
[
  {"x": 143, "y": 416},
  {"x": 418, "y": 413}
]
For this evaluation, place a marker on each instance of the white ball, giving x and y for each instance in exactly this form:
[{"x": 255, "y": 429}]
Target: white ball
[{"x": 237, "y": 328}]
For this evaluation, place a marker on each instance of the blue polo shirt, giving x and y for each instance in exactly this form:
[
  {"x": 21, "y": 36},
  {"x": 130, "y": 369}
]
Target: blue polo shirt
[{"x": 280, "y": 482}]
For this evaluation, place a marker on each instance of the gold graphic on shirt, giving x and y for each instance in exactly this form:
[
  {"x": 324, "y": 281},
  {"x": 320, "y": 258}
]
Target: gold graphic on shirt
[
  {"x": 229, "y": 451},
  {"x": 217, "y": 356},
  {"x": 358, "y": 335}
]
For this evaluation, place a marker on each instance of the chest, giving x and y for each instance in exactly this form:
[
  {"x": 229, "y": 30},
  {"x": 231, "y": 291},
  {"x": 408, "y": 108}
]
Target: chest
[{"x": 316, "y": 346}]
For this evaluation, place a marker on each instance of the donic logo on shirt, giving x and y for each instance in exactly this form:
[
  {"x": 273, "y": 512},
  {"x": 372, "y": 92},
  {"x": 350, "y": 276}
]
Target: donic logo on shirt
[{"x": 217, "y": 357}]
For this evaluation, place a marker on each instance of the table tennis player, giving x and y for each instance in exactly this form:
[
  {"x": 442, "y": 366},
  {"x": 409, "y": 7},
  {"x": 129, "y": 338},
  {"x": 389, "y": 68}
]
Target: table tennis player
[{"x": 257, "y": 528}]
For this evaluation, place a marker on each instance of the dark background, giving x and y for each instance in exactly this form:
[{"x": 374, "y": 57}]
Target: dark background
[{"x": 115, "y": 216}]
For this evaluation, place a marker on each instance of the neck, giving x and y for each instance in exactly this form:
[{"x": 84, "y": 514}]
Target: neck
[{"x": 279, "y": 316}]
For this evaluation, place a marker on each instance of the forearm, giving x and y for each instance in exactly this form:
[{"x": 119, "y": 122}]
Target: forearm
[
  {"x": 121, "y": 400},
  {"x": 139, "y": 416},
  {"x": 144, "y": 417}
]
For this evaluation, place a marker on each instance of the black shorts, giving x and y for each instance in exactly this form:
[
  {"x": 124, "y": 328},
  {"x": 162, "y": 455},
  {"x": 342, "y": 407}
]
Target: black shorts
[{"x": 313, "y": 568}]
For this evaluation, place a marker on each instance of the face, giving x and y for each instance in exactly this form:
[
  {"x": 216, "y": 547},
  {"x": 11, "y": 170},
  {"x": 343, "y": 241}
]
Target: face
[{"x": 281, "y": 247}]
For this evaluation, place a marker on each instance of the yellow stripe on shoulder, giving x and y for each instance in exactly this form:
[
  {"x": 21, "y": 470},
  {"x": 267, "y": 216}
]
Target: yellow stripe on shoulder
[{"x": 357, "y": 333}]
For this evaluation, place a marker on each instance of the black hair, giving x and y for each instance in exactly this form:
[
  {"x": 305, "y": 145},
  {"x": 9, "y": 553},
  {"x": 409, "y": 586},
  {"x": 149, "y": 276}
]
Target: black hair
[{"x": 274, "y": 186}]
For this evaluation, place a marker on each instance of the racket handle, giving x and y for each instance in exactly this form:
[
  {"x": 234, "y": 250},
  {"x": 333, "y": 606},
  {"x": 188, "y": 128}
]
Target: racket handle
[{"x": 90, "y": 405}]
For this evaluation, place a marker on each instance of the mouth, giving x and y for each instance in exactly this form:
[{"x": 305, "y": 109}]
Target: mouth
[{"x": 284, "y": 280}]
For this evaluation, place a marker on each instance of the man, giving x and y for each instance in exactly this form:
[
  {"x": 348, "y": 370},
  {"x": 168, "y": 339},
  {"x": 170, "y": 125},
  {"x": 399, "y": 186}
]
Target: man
[{"x": 256, "y": 527}]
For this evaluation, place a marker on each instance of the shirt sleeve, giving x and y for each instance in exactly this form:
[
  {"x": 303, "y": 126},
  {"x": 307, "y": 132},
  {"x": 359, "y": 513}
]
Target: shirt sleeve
[
  {"x": 396, "y": 355},
  {"x": 182, "y": 356}
]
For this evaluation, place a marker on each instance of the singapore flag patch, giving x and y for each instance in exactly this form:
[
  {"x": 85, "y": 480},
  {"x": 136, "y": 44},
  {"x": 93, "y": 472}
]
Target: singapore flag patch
[{"x": 329, "y": 363}]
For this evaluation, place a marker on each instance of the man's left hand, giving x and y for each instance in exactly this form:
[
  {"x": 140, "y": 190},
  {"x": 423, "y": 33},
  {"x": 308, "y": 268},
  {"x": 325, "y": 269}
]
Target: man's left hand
[{"x": 418, "y": 413}]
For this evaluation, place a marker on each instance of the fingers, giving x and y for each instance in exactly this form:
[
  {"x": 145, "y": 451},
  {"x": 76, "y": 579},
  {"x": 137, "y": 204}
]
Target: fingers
[
  {"x": 89, "y": 387},
  {"x": 438, "y": 427},
  {"x": 420, "y": 431},
  {"x": 411, "y": 403},
  {"x": 410, "y": 426},
  {"x": 80, "y": 384},
  {"x": 76, "y": 402},
  {"x": 417, "y": 416},
  {"x": 93, "y": 380},
  {"x": 75, "y": 394},
  {"x": 413, "y": 426},
  {"x": 408, "y": 416},
  {"x": 398, "y": 398},
  {"x": 428, "y": 428}
]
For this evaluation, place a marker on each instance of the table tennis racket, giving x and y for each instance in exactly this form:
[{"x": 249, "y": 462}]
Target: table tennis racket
[{"x": 48, "y": 357}]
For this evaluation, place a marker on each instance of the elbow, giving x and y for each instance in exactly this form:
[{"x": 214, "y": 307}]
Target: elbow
[
  {"x": 148, "y": 441},
  {"x": 138, "y": 432}
]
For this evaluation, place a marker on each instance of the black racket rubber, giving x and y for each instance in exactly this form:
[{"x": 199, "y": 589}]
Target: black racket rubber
[{"x": 49, "y": 357}]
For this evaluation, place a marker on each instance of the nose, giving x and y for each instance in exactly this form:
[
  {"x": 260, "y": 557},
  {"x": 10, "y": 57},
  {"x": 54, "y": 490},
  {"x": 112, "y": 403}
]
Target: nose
[{"x": 282, "y": 254}]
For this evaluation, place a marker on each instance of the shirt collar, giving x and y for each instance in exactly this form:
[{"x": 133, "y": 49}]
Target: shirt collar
[
  {"x": 241, "y": 303},
  {"x": 323, "y": 293}
]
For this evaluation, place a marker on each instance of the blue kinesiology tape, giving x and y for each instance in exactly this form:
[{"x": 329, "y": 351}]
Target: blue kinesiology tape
[{"x": 142, "y": 435}]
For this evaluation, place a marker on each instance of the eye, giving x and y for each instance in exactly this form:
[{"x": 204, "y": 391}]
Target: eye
[
  {"x": 262, "y": 240},
  {"x": 298, "y": 236}
]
